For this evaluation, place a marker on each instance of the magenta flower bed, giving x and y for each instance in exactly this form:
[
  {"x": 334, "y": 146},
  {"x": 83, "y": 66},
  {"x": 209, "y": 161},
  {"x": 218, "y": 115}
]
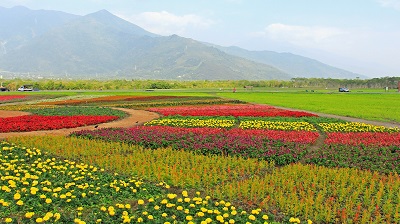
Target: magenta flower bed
[
  {"x": 39, "y": 122},
  {"x": 241, "y": 110},
  {"x": 283, "y": 147}
]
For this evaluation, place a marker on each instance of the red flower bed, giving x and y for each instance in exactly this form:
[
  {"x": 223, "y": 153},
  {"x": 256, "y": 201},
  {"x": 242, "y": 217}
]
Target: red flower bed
[
  {"x": 11, "y": 97},
  {"x": 243, "y": 110},
  {"x": 364, "y": 138},
  {"x": 39, "y": 122}
]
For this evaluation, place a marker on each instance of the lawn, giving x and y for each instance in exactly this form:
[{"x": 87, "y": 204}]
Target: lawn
[{"x": 370, "y": 106}]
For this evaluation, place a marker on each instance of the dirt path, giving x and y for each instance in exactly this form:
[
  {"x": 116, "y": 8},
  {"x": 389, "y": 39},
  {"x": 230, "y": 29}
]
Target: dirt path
[{"x": 136, "y": 117}]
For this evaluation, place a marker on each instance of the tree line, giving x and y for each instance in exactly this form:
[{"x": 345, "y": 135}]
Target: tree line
[{"x": 50, "y": 84}]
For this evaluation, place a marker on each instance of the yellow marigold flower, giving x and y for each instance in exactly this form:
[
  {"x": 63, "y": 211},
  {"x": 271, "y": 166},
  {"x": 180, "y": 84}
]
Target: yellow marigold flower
[
  {"x": 255, "y": 212},
  {"x": 156, "y": 207},
  {"x": 140, "y": 202},
  {"x": 48, "y": 200},
  {"x": 252, "y": 217},
  {"x": 171, "y": 196},
  {"x": 187, "y": 200},
  {"x": 79, "y": 208},
  {"x": 17, "y": 196},
  {"x": 184, "y": 193},
  {"x": 189, "y": 218},
  {"x": 309, "y": 221},
  {"x": 57, "y": 216},
  {"x": 127, "y": 206},
  {"x": 20, "y": 203},
  {"x": 103, "y": 208},
  {"x": 179, "y": 208},
  {"x": 111, "y": 212},
  {"x": 29, "y": 215},
  {"x": 231, "y": 221},
  {"x": 150, "y": 217},
  {"x": 140, "y": 219},
  {"x": 164, "y": 214},
  {"x": 265, "y": 217},
  {"x": 39, "y": 220},
  {"x": 9, "y": 220},
  {"x": 234, "y": 212},
  {"x": 151, "y": 200}
]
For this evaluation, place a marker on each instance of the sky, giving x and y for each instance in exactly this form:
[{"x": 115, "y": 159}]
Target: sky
[{"x": 362, "y": 36}]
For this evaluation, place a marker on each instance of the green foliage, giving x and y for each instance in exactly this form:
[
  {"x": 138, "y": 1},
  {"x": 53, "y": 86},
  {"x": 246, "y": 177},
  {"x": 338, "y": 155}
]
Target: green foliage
[
  {"x": 381, "y": 107},
  {"x": 70, "y": 111}
]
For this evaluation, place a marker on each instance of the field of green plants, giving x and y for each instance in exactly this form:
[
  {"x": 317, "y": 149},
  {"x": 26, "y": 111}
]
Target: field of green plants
[{"x": 205, "y": 160}]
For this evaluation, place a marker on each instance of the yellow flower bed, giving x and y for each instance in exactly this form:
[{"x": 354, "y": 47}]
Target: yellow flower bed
[
  {"x": 192, "y": 122},
  {"x": 355, "y": 127},
  {"x": 277, "y": 125},
  {"x": 22, "y": 107}
]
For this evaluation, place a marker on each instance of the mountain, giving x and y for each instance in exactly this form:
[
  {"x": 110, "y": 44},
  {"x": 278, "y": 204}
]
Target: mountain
[
  {"x": 295, "y": 65},
  {"x": 19, "y": 25},
  {"x": 102, "y": 45}
]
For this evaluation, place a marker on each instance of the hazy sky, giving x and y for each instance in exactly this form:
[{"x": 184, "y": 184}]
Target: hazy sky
[{"x": 362, "y": 36}]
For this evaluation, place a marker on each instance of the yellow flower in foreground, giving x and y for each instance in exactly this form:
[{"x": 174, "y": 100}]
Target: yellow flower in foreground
[
  {"x": 140, "y": 202},
  {"x": 252, "y": 217},
  {"x": 17, "y": 196},
  {"x": 20, "y": 203},
  {"x": 29, "y": 215},
  {"x": 9, "y": 220},
  {"x": 39, "y": 220}
]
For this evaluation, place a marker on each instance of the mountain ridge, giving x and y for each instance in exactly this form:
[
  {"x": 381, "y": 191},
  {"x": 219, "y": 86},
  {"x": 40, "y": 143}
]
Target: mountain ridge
[{"x": 101, "y": 44}]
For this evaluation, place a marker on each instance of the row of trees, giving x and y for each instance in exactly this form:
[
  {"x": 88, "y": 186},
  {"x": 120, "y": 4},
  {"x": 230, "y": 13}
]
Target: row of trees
[{"x": 46, "y": 84}]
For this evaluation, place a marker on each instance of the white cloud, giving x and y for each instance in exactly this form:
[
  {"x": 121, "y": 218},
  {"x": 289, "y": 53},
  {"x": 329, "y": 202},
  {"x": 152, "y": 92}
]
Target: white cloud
[
  {"x": 301, "y": 35},
  {"x": 390, "y": 3},
  {"x": 165, "y": 23}
]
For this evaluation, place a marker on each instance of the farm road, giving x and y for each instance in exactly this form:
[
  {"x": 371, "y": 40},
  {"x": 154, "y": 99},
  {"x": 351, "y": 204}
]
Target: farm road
[{"x": 135, "y": 117}]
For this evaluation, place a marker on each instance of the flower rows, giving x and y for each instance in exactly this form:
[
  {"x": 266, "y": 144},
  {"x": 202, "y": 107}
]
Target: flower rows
[
  {"x": 27, "y": 107},
  {"x": 43, "y": 189},
  {"x": 380, "y": 139},
  {"x": 177, "y": 102},
  {"x": 277, "y": 125},
  {"x": 355, "y": 127},
  {"x": 11, "y": 97},
  {"x": 240, "y": 110},
  {"x": 193, "y": 122},
  {"x": 283, "y": 147},
  {"x": 110, "y": 99},
  {"x": 76, "y": 110},
  {"x": 39, "y": 122}
]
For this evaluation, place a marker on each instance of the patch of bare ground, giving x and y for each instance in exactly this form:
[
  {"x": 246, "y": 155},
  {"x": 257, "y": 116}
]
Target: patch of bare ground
[{"x": 135, "y": 117}]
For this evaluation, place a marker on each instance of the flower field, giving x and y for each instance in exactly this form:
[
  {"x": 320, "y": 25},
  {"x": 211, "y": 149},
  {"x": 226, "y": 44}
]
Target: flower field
[
  {"x": 275, "y": 165},
  {"x": 11, "y": 97},
  {"x": 39, "y": 122},
  {"x": 44, "y": 189},
  {"x": 240, "y": 110},
  {"x": 279, "y": 146}
]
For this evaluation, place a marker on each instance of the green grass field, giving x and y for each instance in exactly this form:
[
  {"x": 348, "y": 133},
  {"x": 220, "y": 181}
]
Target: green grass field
[{"x": 370, "y": 106}]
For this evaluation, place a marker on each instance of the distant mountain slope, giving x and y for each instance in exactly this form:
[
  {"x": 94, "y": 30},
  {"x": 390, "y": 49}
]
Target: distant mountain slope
[
  {"x": 104, "y": 45},
  {"x": 295, "y": 65},
  {"x": 19, "y": 25}
]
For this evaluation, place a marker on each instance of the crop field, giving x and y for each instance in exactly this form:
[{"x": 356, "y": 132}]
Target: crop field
[{"x": 204, "y": 160}]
